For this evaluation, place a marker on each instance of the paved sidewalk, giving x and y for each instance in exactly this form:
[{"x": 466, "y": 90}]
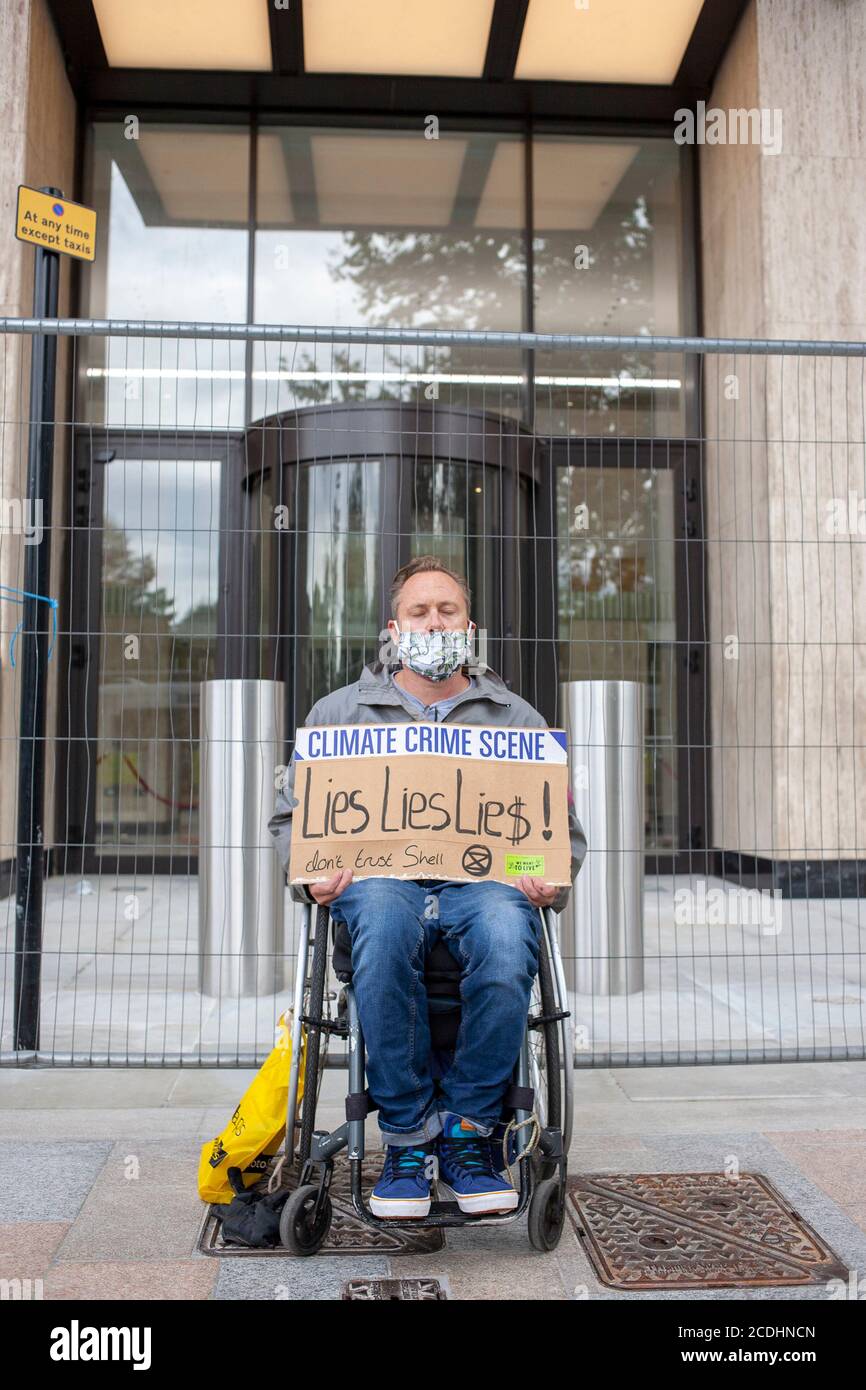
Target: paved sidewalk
[{"x": 98, "y": 1194}]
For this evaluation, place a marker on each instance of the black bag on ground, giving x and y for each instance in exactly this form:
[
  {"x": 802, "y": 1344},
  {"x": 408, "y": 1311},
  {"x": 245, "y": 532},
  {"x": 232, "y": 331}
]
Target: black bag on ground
[{"x": 252, "y": 1217}]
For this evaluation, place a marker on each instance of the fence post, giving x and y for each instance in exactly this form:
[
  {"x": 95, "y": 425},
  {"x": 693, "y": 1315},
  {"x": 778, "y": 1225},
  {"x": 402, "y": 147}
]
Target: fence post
[{"x": 33, "y": 650}]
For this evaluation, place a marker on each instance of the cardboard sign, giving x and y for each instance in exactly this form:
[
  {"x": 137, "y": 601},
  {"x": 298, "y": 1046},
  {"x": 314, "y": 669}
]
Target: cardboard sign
[
  {"x": 55, "y": 223},
  {"x": 423, "y": 800}
]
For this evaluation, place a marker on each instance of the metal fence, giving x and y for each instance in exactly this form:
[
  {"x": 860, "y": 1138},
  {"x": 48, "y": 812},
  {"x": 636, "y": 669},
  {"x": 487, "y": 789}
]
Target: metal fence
[{"x": 225, "y": 501}]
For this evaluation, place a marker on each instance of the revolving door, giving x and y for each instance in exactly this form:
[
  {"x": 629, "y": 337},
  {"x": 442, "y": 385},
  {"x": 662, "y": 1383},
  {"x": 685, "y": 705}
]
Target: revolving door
[{"x": 335, "y": 498}]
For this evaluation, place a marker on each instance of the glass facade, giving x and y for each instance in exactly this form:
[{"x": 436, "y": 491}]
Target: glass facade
[
  {"x": 364, "y": 227},
  {"x": 384, "y": 229},
  {"x": 173, "y": 244},
  {"x": 334, "y": 225},
  {"x": 159, "y": 611},
  {"x": 617, "y": 606},
  {"x": 608, "y": 259}
]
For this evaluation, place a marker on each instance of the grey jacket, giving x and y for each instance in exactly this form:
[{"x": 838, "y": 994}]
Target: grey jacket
[{"x": 374, "y": 699}]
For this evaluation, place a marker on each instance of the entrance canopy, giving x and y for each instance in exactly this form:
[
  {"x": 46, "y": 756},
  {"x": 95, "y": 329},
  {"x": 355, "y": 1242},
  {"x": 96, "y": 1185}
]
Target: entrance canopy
[{"x": 624, "y": 59}]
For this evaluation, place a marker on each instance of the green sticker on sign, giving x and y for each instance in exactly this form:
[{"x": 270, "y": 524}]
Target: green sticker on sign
[{"x": 524, "y": 864}]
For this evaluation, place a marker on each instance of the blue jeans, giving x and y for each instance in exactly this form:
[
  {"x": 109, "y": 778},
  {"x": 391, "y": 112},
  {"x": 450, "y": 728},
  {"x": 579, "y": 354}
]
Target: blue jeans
[{"x": 492, "y": 930}]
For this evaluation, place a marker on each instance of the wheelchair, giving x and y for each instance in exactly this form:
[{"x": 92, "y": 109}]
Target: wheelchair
[{"x": 534, "y": 1133}]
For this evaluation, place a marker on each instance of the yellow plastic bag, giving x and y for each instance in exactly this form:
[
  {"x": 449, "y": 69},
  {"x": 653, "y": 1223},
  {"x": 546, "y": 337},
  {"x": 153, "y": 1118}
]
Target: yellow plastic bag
[{"x": 255, "y": 1131}]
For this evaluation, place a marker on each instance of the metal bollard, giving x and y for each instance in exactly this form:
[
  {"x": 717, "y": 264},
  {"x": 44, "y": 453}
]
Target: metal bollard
[
  {"x": 241, "y": 883},
  {"x": 604, "y": 720}
]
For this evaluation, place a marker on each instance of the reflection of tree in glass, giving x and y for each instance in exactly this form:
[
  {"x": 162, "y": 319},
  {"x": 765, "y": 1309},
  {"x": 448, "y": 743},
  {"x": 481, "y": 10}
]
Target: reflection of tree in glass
[
  {"x": 339, "y": 503},
  {"x": 126, "y": 580},
  {"x": 605, "y": 559},
  {"x": 621, "y": 259},
  {"x": 344, "y": 372},
  {"x": 199, "y": 621},
  {"x": 336, "y": 387},
  {"x": 453, "y": 279},
  {"x": 343, "y": 596},
  {"x": 441, "y": 511},
  {"x": 466, "y": 279},
  {"x": 459, "y": 279},
  {"x": 149, "y": 711},
  {"x": 132, "y": 606}
]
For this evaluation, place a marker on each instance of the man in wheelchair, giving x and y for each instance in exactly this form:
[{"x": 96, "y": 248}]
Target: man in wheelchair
[{"x": 492, "y": 929}]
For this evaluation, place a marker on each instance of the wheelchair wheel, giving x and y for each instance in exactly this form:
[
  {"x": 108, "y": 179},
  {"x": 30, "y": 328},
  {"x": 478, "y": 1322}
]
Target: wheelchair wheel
[
  {"x": 299, "y": 1231},
  {"x": 546, "y": 1215}
]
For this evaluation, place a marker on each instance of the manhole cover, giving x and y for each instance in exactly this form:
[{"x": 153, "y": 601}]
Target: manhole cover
[
  {"x": 387, "y": 1290},
  {"x": 348, "y": 1235},
  {"x": 695, "y": 1231}
]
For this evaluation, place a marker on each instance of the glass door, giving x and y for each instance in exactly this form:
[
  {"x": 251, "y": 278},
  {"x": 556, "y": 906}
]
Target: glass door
[
  {"x": 146, "y": 596},
  {"x": 618, "y": 557},
  {"x": 350, "y": 540}
]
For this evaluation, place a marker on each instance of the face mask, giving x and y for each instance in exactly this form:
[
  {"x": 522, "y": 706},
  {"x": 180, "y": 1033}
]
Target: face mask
[{"x": 435, "y": 655}]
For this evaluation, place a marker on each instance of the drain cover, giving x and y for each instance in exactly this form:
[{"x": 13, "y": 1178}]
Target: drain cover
[
  {"x": 695, "y": 1231},
  {"x": 389, "y": 1289},
  {"x": 349, "y": 1235}
]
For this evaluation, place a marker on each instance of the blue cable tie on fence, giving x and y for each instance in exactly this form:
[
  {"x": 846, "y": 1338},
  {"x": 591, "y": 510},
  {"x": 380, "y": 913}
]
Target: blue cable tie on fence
[{"x": 42, "y": 598}]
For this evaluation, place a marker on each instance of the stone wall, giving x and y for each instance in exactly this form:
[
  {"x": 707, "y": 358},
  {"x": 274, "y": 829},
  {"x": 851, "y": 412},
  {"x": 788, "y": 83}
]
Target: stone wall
[{"x": 784, "y": 256}]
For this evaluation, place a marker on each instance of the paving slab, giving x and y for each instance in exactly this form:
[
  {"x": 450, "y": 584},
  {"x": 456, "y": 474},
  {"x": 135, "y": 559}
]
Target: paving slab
[
  {"x": 74, "y": 1088},
  {"x": 48, "y": 1181},
  {"x": 143, "y": 1206},
  {"x": 138, "y": 1281},
  {"x": 490, "y": 1273},
  {"x": 832, "y": 1160},
  {"x": 208, "y": 1086},
  {"x": 644, "y": 1085},
  {"x": 81, "y": 1124},
  {"x": 706, "y": 1114},
  {"x": 295, "y": 1277},
  {"x": 28, "y": 1247}
]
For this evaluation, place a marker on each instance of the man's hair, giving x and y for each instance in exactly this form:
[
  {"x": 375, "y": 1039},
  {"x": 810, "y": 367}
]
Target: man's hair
[{"x": 424, "y": 564}]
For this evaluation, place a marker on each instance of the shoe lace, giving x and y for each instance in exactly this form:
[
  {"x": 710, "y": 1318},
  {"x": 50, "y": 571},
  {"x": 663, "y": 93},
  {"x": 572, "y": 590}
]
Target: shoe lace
[
  {"x": 470, "y": 1155},
  {"x": 404, "y": 1162}
]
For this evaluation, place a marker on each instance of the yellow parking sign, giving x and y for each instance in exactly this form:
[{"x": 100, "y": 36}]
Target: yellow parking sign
[{"x": 56, "y": 224}]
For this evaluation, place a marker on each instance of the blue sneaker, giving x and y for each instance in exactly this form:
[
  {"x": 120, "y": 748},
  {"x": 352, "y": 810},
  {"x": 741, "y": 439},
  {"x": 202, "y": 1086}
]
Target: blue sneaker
[
  {"x": 403, "y": 1190},
  {"x": 467, "y": 1174}
]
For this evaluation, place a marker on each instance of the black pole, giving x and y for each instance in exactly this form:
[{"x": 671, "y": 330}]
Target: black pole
[{"x": 32, "y": 644}]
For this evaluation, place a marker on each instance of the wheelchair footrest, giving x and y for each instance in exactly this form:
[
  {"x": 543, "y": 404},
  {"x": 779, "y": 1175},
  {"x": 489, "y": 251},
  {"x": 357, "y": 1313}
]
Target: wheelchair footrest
[{"x": 445, "y": 1209}]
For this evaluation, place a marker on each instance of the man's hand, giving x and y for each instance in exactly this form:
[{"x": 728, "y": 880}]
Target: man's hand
[
  {"x": 539, "y": 893},
  {"x": 325, "y": 893}
]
